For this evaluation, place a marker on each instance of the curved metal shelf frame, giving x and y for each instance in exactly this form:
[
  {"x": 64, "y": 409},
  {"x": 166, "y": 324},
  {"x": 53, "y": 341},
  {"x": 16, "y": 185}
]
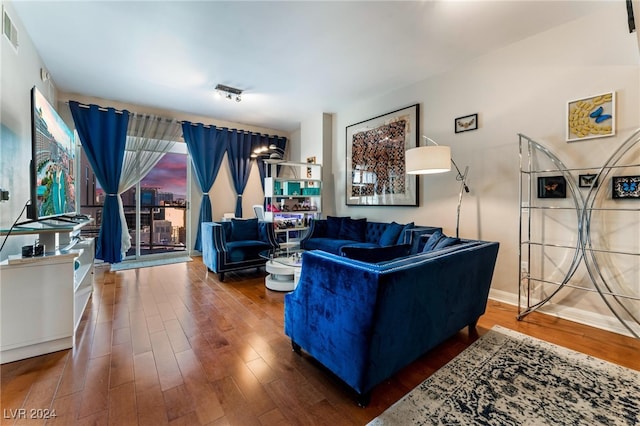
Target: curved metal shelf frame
[{"x": 584, "y": 249}]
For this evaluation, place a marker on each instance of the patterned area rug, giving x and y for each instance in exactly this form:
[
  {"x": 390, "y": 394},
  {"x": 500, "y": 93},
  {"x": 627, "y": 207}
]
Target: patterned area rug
[
  {"x": 507, "y": 378},
  {"x": 133, "y": 264}
]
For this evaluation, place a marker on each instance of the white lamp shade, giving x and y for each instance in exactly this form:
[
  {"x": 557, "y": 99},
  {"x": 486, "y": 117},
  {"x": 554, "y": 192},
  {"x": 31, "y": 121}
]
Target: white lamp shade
[{"x": 428, "y": 159}]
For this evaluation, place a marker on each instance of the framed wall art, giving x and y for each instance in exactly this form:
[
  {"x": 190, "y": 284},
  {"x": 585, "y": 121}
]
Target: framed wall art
[
  {"x": 466, "y": 123},
  {"x": 591, "y": 117},
  {"x": 375, "y": 161},
  {"x": 552, "y": 187},
  {"x": 625, "y": 187},
  {"x": 588, "y": 180}
]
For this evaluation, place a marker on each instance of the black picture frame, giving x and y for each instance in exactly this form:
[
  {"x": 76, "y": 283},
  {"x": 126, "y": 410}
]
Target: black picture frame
[
  {"x": 466, "y": 123},
  {"x": 625, "y": 187},
  {"x": 376, "y": 160},
  {"x": 552, "y": 187},
  {"x": 588, "y": 180}
]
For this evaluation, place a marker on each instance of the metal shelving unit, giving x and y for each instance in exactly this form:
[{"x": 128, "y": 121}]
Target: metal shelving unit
[{"x": 594, "y": 258}]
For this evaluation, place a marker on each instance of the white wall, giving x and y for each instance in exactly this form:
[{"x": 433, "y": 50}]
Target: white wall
[
  {"x": 522, "y": 88},
  {"x": 19, "y": 72}
]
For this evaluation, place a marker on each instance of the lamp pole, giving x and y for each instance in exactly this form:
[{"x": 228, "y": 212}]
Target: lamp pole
[{"x": 462, "y": 178}]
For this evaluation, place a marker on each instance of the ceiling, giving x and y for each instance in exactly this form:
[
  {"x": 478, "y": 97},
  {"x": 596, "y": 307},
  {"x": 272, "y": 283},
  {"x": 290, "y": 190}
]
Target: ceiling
[{"x": 292, "y": 59}]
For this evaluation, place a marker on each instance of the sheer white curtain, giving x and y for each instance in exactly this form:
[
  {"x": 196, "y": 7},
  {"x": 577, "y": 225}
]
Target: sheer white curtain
[{"x": 149, "y": 138}]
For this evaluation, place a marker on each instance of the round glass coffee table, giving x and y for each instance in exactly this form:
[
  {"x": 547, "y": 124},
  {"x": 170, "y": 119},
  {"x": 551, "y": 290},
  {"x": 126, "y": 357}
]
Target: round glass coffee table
[{"x": 283, "y": 266}]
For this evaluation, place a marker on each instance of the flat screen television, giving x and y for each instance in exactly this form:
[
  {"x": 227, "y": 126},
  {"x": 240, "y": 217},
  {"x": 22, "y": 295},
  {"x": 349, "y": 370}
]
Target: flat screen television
[{"x": 53, "y": 147}]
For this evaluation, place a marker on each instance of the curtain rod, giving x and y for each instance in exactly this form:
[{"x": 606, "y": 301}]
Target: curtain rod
[
  {"x": 81, "y": 105},
  {"x": 100, "y": 108},
  {"x": 238, "y": 130}
]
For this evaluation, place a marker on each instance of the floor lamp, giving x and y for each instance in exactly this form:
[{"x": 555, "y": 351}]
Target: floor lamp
[{"x": 427, "y": 159}]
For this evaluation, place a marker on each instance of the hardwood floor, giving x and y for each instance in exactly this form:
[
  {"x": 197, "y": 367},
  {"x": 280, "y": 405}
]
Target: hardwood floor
[{"x": 173, "y": 345}]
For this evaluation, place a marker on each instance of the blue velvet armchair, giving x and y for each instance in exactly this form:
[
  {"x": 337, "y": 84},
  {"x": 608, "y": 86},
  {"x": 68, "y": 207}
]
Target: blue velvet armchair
[{"x": 236, "y": 244}]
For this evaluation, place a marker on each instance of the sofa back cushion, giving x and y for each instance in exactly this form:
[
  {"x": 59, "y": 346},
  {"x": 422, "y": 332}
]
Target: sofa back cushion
[
  {"x": 376, "y": 254},
  {"x": 244, "y": 229},
  {"x": 353, "y": 229}
]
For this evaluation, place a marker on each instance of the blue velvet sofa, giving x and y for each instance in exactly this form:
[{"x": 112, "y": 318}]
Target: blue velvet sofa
[
  {"x": 365, "y": 321},
  {"x": 235, "y": 244},
  {"x": 334, "y": 233}
]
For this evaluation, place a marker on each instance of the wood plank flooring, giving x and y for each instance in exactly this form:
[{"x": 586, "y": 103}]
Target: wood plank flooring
[{"x": 172, "y": 345}]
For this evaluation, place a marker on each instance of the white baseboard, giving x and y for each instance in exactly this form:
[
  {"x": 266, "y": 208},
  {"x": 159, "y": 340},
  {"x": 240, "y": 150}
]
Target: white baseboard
[
  {"x": 15, "y": 354},
  {"x": 604, "y": 322}
]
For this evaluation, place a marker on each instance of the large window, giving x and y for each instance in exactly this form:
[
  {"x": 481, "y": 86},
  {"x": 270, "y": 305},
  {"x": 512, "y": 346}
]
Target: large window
[{"x": 155, "y": 208}]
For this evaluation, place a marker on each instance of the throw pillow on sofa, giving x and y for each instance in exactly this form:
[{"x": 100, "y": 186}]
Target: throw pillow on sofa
[
  {"x": 408, "y": 226},
  {"x": 438, "y": 240},
  {"x": 353, "y": 229},
  {"x": 334, "y": 224},
  {"x": 432, "y": 241},
  {"x": 244, "y": 229},
  {"x": 390, "y": 235},
  {"x": 376, "y": 254},
  {"x": 446, "y": 242}
]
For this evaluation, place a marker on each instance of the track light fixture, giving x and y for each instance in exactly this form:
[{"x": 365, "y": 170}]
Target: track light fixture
[
  {"x": 229, "y": 92},
  {"x": 271, "y": 152}
]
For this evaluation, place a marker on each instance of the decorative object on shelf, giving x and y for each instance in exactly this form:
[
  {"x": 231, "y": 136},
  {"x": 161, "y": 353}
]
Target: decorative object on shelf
[
  {"x": 229, "y": 92},
  {"x": 375, "y": 163},
  {"x": 588, "y": 180},
  {"x": 591, "y": 117},
  {"x": 552, "y": 187},
  {"x": 625, "y": 187},
  {"x": 437, "y": 159},
  {"x": 466, "y": 123},
  {"x": 310, "y": 160}
]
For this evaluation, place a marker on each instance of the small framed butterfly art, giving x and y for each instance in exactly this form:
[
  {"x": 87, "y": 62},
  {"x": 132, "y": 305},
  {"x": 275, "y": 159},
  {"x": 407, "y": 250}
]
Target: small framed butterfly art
[
  {"x": 591, "y": 117},
  {"x": 552, "y": 187},
  {"x": 587, "y": 181},
  {"x": 466, "y": 123},
  {"x": 625, "y": 187}
]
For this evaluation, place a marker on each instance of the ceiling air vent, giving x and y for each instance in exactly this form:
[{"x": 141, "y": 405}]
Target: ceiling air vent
[{"x": 9, "y": 30}]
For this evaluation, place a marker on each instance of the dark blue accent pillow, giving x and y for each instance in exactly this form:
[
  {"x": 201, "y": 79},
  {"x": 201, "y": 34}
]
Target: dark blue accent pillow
[
  {"x": 353, "y": 229},
  {"x": 244, "y": 229},
  {"x": 432, "y": 241},
  {"x": 446, "y": 242},
  {"x": 333, "y": 226},
  {"x": 390, "y": 235},
  {"x": 376, "y": 254},
  {"x": 409, "y": 225}
]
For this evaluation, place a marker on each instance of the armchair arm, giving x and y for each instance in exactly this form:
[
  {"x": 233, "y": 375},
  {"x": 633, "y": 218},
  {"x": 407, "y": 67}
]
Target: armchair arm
[
  {"x": 267, "y": 233},
  {"x": 214, "y": 245}
]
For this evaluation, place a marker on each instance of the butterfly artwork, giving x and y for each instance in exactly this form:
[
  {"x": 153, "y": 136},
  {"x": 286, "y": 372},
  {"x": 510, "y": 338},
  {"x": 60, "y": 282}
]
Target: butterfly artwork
[
  {"x": 591, "y": 117},
  {"x": 599, "y": 116},
  {"x": 587, "y": 181},
  {"x": 469, "y": 122},
  {"x": 552, "y": 187},
  {"x": 626, "y": 187}
]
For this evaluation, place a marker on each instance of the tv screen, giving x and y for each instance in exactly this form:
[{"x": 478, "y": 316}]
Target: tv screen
[{"x": 53, "y": 191}]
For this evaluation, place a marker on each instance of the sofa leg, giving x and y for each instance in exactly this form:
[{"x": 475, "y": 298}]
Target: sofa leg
[
  {"x": 221, "y": 276},
  {"x": 472, "y": 325},
  {"x": 363, "y": 399},
  {"x": 296, "y": 347}
]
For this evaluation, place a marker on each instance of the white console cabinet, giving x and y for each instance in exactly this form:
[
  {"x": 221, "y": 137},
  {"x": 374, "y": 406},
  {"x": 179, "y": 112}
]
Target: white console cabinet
[{"x": 42, "y": 300}]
